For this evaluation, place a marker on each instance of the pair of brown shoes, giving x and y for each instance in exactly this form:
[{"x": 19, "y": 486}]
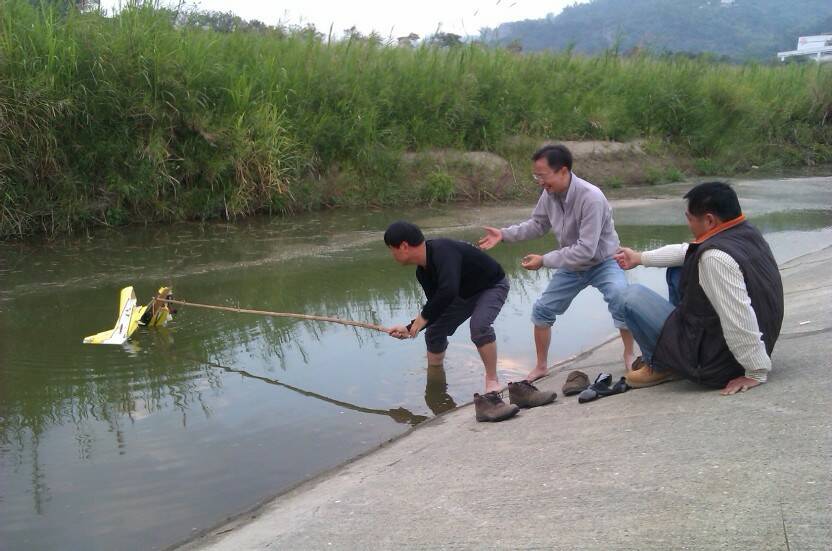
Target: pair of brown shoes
[{"x": 522, "y": 394}]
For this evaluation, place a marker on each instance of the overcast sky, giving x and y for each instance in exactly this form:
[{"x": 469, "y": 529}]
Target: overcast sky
[{"x": 396, "y": 18}]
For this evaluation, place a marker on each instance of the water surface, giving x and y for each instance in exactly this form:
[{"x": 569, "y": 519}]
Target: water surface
[{"x": 139, "y": 446}]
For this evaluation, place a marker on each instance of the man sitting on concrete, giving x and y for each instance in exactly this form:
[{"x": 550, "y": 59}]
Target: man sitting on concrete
[
  {"x": 460, "y": 282},
  {"x": 722, "y": 330}
]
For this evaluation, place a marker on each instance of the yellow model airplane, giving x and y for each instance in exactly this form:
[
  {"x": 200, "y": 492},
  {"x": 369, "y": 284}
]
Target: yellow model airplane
[{"x": 155, "y": 314}]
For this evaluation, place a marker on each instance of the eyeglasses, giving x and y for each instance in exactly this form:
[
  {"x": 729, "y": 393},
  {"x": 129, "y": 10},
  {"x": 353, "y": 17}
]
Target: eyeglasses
[{"x": 539, "y": 177}]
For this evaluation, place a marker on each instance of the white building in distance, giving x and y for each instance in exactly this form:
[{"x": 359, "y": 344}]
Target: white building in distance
[{"x": 818, "y": 48}]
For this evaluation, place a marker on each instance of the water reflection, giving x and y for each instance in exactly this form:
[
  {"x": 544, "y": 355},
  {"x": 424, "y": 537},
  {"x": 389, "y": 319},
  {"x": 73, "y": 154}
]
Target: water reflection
[
  {"x": 399, "y": 414},
  {"x": 436, "y": 390},
  {"x": 85, "y": 429}
]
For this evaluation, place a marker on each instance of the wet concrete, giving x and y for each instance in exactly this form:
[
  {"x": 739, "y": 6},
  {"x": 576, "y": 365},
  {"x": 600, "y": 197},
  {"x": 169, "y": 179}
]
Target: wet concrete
[{"x": 669, "y": 467}]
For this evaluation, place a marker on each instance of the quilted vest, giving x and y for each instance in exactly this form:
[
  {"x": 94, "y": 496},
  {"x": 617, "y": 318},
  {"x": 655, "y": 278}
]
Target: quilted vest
[{"x": 692, "y": 342}]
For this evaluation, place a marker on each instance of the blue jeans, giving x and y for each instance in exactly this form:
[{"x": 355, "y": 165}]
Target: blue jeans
[
  {"x": 645, "y": 312},
  {"x": 565, "y": 285}
]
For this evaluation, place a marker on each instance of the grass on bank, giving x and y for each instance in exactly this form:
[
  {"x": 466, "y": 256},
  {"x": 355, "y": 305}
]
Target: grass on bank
[{"x": 108, "y": 120}]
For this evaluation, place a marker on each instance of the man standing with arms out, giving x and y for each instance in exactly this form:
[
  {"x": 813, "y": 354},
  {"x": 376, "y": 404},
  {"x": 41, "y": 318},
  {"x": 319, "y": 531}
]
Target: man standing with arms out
[
  {"x": 730, "y": 308},
  {"x": 581, "y": 218},
  {"x": 460, "y": 282}
]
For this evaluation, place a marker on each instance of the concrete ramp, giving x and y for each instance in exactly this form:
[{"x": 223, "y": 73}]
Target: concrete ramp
[{"x": 669, "y": 467}]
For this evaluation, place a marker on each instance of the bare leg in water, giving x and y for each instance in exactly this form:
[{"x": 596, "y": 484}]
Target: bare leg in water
[
  {"x": 488, "y": 354},
  {"x": 436, "y": 390}
]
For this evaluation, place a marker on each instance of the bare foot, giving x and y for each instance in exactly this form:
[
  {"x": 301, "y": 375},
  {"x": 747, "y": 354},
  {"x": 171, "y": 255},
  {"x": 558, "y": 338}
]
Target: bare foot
[
  {"x": 537, "y": 373},
  {"x": 492, "y": 386},
  {"x": 628, "y": 362}
]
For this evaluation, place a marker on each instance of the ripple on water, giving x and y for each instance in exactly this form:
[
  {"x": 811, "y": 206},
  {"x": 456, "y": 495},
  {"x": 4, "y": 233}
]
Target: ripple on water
[{"x": 185, "y": 425}]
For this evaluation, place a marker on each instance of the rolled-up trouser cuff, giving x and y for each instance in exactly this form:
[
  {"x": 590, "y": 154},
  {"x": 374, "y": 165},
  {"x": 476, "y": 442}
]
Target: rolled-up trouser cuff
[
  {"x": 437, "y": 345},
  {"x": 541, "y": 316},
  {"x": 484, "y": 339}
]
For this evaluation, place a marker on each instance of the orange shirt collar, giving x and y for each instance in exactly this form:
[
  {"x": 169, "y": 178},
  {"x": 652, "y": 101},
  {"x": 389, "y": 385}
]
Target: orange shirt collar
[{"x": 722, "y": 227}]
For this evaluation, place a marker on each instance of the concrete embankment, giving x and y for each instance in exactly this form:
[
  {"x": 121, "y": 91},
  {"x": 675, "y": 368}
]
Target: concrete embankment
[{"x": 669, "y": 467}]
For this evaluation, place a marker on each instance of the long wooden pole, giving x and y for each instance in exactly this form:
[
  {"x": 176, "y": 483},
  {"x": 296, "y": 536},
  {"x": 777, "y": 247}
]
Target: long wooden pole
[{"x": 278, "y": 314}]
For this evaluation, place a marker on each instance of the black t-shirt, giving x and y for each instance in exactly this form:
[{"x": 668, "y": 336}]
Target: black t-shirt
[{"x": 454, "y": 269}]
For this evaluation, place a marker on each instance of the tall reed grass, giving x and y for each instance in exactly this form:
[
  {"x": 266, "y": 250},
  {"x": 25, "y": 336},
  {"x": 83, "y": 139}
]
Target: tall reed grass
[{"x": 106, "y": 120}]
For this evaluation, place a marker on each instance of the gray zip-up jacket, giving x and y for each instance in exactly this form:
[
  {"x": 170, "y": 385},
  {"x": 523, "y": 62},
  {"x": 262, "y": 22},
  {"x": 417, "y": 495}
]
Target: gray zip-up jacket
[{"x": 581, "y": 221}]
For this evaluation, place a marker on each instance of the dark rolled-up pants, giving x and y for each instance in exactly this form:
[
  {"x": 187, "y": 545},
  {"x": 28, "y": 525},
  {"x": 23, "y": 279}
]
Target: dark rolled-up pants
[{"x": 482, "y": 308}]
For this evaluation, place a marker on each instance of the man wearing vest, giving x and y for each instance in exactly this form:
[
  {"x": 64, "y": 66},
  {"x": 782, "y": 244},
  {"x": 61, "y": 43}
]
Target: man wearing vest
[{"x": 721, "y": 328}]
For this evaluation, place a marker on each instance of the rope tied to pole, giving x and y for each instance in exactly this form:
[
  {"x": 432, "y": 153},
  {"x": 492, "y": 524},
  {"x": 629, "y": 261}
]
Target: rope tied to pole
[{"x": 330, "y": 319}]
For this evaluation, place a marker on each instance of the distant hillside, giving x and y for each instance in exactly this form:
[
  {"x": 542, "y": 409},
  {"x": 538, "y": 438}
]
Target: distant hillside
[{"x": 739, "y": 29}]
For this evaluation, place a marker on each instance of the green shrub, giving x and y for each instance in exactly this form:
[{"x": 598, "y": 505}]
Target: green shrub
[
  {"x": 439, "y": 187},
  {"x": 139, "y": 115},
  {"x": 673, "y": 174},
  {"x": 615, "y": 183}
]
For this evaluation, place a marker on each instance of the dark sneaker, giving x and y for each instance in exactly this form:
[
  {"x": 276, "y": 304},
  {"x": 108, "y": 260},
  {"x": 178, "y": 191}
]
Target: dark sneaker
[
  {"x": 490, "y": 407},
  {"x": 576, "y": 381},
  {"x": 526, "y": 395},
  {"x": 587, "y": 395},
  {"x": 604, "y": 379},
  {"x": 601, "y": 388},
  {"x": 602, "y": 385},
  {"x": 620, "y": 386}
]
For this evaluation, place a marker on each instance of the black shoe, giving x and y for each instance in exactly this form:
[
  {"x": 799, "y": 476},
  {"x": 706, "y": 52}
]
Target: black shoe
[
  {"x": 598, "y": 389},
  {"x": 490, "y": 407},
  {"x": 526, "y": 395},
  {"x": 587, "y": 395},
  {"x": 604, "y": 379},
  {"x": 620, "y": 386},
  {"x": 602, "y": 385}
]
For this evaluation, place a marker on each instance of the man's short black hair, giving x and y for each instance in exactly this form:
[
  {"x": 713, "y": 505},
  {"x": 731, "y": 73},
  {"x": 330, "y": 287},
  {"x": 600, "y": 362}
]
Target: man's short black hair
[
  {"x": 717, "y": 198},
  {"x": 557, "y": 156},
  {"x": 401, "y": 231}
]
